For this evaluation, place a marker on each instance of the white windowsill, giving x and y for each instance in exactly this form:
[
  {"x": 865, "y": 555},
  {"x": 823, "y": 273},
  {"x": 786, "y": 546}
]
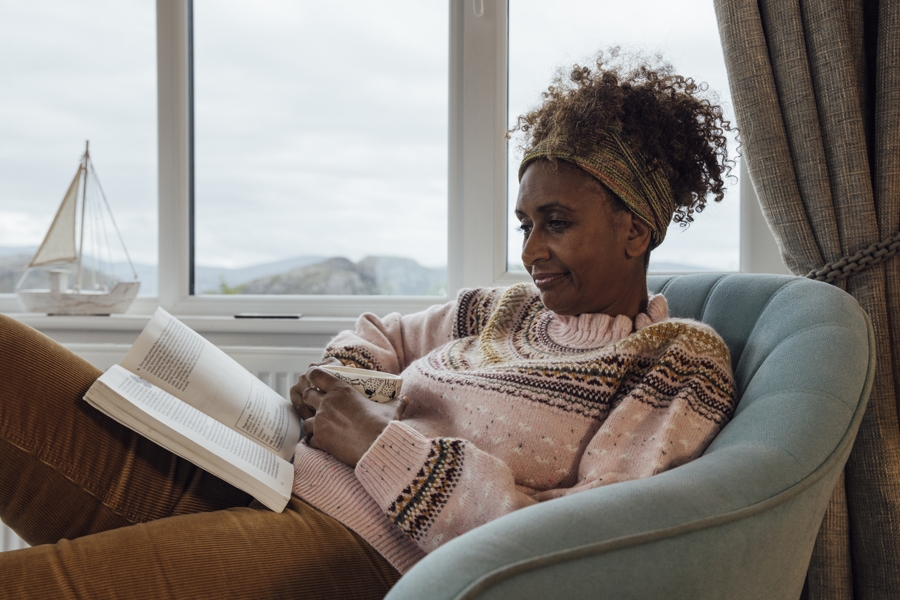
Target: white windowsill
[
  {"x": 201, "y": 324},
  {"x": 323, "y": 315}
]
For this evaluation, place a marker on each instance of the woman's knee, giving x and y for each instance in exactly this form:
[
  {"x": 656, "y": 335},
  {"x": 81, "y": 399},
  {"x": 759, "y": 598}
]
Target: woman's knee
[{"x": 31, "y": 362}]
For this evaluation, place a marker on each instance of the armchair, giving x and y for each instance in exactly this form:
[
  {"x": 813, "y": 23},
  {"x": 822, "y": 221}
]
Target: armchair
[{"x": 739, "y": 522}]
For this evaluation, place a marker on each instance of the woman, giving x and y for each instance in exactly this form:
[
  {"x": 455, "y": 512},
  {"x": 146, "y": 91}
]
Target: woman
[{"x": 511, "y": 396}]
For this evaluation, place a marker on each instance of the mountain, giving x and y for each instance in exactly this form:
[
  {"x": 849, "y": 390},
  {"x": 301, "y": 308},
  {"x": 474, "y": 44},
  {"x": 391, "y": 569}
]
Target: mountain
[
  {"x": 209, "y": 280},
  {"x": 13, "y": 260},
  {"x": 297, "y": 275},
  {"x": 374, "y": 275},
  {"x": 12, "y": 265}
]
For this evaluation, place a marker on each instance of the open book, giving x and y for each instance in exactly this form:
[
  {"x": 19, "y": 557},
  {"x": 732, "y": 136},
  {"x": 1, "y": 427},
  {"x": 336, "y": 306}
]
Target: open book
[{"x": 179, "y": 390}]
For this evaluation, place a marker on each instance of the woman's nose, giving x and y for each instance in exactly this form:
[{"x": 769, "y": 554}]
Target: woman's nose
[{"x": 534, "y": 248}]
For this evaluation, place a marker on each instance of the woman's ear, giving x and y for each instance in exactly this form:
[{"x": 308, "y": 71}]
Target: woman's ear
[{"x": 638, "y": 239}]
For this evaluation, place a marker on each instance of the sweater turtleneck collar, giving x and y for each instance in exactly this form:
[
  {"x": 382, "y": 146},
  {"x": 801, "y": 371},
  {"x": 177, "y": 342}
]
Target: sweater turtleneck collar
[{"x": 592, "y": 330}]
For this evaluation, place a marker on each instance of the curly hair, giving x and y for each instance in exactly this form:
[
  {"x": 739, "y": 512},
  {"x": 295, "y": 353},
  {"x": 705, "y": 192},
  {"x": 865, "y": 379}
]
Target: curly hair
[{"x": 663, "y": 115}]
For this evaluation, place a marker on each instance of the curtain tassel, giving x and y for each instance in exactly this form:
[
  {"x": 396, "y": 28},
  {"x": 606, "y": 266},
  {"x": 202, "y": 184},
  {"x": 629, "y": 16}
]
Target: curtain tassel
[{"x": 850, "y": 265}]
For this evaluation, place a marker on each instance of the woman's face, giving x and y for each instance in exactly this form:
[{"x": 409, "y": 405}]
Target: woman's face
[{"x": 584, "y": 254}]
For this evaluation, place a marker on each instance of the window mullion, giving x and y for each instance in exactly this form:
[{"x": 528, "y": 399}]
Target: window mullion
[
  {"x": 174, "y": 151},
  {"x": 477, "y": 234}
]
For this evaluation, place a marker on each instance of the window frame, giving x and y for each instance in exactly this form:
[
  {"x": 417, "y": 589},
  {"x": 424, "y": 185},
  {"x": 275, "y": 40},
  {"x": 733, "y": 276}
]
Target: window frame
[
  {"x": 476, "y": 171},
  {"x": 476, "y": 203}
]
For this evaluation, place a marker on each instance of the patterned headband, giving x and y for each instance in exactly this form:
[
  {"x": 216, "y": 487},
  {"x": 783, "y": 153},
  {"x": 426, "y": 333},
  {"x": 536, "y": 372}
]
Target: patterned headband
[{"x": 645, "y": 192}]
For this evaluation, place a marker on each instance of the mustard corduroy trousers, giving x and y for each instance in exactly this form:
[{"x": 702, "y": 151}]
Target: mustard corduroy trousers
[{"x": 110, "y": 514}]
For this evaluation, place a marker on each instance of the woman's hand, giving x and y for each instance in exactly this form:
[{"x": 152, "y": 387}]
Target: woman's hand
[
  {"x": 303, "y": 382},
  {"x": 337, "y": 418}
]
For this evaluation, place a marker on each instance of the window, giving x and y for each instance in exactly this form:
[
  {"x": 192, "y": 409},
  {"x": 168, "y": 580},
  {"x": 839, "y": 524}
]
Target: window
[
  {"x": 73, "y": 72},
  {"x": 475, "y": 163}
]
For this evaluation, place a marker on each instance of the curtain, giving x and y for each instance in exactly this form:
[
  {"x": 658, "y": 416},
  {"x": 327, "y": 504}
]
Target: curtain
[{"x": 816, "y": 92}]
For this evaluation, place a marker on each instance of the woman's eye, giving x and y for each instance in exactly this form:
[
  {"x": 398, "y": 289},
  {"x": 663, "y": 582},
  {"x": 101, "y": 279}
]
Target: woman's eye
[
  {"x": 558, "y": 225},
  {"x": 525, "y": 229}
]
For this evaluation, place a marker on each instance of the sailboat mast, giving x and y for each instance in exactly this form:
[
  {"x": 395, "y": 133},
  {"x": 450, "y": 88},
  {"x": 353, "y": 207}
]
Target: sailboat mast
[{"x": 84, "y": 173}]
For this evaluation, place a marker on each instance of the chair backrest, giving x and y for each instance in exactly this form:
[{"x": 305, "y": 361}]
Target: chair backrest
[{"x": 770, "y": 323}]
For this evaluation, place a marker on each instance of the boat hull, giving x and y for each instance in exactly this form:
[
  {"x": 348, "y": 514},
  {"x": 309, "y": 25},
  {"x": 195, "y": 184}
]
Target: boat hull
[{"x": 115, "y": 301}]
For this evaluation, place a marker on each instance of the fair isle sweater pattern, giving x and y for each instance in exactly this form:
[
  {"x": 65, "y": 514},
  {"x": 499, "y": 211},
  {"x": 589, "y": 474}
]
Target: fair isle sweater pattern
[
  {"x": 513, "y": 405},
  {"x": 415, "y": 509},
  {"x": 652, "y": 364}
]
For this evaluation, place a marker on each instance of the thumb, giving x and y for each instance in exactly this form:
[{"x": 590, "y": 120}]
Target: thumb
[{"x": 402, "y": 405}]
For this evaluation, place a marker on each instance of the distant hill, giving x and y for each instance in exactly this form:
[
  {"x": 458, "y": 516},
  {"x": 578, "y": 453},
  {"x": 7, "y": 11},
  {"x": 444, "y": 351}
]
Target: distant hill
[
  {"x": 374, "y": 275},
  {"x": 12, "y": 263},
  {"x": 209, "y": 280},
  {"x": 297, "y": 275},
  {"x": 317, "y": 275},
  {"x": 12, "y": 266}
]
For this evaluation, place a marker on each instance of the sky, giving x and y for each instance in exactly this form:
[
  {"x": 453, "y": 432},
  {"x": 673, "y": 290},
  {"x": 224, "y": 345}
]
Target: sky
[
  {"x": 321, "y": 127},
  {"x": 70, "y": 72}
]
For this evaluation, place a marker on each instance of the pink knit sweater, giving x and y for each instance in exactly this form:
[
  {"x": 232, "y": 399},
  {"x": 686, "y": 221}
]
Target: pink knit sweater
[{"x": 512, "y": 405}]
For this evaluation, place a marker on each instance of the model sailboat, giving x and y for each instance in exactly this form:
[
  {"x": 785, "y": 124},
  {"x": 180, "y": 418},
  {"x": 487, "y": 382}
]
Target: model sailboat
[{"x": 106, "y": 294}]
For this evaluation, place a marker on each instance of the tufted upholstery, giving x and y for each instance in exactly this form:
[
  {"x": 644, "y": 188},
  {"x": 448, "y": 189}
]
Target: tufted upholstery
[{"x": 739, "y": 522}]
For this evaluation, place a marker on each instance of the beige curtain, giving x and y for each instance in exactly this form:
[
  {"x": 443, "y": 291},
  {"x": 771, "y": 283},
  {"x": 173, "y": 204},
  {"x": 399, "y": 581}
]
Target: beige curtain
[{"x": 816, "y": 90}]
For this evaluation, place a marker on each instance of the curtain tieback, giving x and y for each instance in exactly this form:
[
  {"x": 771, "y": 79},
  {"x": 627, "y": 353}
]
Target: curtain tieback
[{"x": 850, "y": 265}]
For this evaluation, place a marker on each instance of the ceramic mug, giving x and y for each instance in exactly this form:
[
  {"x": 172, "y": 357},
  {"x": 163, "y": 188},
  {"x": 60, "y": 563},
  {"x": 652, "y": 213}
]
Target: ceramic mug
[{"x": 375, "y": 385}]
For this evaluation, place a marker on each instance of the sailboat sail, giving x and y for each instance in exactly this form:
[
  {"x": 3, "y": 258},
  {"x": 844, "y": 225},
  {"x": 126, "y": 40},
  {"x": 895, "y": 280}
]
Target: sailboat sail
[{"x": 59, "y": 244}]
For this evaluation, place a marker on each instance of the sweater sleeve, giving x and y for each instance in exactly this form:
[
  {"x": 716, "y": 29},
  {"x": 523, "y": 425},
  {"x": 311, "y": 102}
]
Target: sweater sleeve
[
  {"x": 435, "y": 489},
  {"x": 392, "y": 343}
]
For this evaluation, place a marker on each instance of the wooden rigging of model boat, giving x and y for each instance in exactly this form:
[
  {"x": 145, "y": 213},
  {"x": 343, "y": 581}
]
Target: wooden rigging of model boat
[{"x": 59, "y": 249}]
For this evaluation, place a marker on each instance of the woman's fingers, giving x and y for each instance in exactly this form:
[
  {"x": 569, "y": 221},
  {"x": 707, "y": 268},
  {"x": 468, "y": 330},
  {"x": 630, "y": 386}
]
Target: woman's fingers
[
  {"x": 322, "y": 379},
  {"x": 309, "y": 426},
  {"x": 300, "y": 398},
  {"x": 313, "y": 441},
  {"x": 302, "y": 383},
  {"x": 312, "y": 398},
  {"x": 306, "y": 394}
]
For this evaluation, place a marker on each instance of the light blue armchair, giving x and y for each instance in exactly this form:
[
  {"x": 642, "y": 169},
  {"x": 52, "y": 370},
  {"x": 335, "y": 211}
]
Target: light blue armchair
[{"x": 739, "y": 522}]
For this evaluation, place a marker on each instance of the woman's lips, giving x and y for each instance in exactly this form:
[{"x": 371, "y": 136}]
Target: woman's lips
[{"x": 547, "y": 279}]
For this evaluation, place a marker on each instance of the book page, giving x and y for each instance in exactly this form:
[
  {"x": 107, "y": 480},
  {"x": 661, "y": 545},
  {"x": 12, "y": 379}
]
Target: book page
[
  {"x": 193, "y": 435},
  {"x": 178, "y": 360}
]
